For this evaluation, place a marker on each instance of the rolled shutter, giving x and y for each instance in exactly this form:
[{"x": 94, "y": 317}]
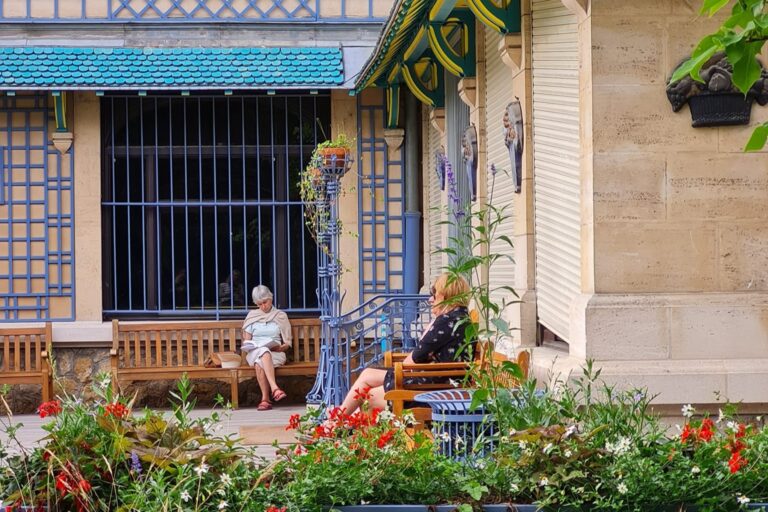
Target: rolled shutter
[
  {"x": 498, "y": 94},
  {"x": 556, "y": 163},
  {"x": 433, "y": 210}
]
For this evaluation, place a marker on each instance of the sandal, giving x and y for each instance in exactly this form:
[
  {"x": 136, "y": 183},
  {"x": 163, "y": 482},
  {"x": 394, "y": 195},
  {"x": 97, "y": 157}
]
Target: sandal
[
  {"x": 264, "y": 406},
  {"x": 278, "y": 394}
]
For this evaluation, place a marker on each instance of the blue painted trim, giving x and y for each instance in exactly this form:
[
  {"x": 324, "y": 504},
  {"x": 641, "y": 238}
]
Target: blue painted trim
[
  {"x": 24, "y": 302},
  {"x": 128, "y": 11},
  {"x": 2, "y": 174}
]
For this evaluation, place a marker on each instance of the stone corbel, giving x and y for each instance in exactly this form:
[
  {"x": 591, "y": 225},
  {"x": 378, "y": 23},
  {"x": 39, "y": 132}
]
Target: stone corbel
[
  {"x": 468, "y": 91},
  {"x": 511, "y": 51},
  {"x": 394, "y": 139},
  {"x": 578, "y": 7},
  {"x": 437, "y": 118},
  {"x": 62, "y": 141}
]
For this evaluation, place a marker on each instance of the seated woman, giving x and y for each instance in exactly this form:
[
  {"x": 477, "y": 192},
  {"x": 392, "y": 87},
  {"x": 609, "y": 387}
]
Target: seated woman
[
  {"x": 439, "y": 343},
  {"x": 266, "y": 338}
]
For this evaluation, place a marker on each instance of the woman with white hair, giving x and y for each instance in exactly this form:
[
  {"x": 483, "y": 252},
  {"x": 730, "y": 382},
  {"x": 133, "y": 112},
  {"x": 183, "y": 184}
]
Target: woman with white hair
[{"x": 266, "y": 338}]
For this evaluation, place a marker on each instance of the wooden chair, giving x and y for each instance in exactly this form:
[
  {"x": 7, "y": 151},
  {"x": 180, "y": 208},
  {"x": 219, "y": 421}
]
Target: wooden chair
[
  {"x": 24, "y": 357},
  {"x": 404, "y": 391}
]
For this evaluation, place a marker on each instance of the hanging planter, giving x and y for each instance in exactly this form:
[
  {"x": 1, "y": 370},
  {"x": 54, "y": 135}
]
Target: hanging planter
[{"x": 716, "y": 101}]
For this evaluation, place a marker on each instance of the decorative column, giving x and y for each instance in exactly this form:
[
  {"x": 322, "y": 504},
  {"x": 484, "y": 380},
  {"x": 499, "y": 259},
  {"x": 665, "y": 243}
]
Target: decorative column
[{"x": 331, "y": 383}]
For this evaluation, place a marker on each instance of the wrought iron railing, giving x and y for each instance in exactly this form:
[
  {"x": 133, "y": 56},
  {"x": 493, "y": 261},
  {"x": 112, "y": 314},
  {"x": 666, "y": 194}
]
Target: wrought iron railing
[{"x": 359, "y": 338}]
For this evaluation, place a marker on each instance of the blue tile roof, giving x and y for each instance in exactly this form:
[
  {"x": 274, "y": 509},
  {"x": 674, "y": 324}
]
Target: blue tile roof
[{"x": 169, "y": 68}]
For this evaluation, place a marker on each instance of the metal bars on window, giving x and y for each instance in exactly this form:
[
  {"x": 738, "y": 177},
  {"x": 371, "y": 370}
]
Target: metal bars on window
[
  {"x": 36, "y": 216},
  {"x": 201, "y": 203},
  {"x": 312, "y": 11}
]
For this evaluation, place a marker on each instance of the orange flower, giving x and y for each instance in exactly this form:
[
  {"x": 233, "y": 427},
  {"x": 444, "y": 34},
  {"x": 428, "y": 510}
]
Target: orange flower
[{"x": 51, "y": 408}]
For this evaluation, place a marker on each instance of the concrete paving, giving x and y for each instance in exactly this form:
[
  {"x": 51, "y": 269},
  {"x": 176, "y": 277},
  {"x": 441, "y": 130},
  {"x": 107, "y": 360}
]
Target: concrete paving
[{"x": 31, "y": 433}]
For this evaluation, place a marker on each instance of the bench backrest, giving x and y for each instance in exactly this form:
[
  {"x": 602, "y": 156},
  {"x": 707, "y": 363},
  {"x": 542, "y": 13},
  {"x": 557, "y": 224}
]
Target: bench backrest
[
  {"x": 22, "y": 348},
  {"x": 179, "y": 344}
]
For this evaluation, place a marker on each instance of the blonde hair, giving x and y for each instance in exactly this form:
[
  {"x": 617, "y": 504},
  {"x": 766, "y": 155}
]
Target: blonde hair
[{"x": 454, "y": 289}]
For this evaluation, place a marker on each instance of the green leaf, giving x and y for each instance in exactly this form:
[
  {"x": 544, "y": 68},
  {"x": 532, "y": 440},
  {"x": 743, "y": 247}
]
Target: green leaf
[
  {"x": 746, "y": 70},
  {"x": 501, "y": 325},
  {"x": 513, "y": 369},
  {"x": 712, "y": 7},
  {"x": 692, "y": 66},
  {"x": 758, "y": 138}
]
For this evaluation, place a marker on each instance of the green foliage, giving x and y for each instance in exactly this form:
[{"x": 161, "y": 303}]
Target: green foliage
[{"x": 742, "y": 37}]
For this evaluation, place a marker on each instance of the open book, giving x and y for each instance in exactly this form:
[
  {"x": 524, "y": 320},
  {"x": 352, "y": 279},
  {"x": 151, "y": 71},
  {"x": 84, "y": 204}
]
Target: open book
[{"x": 249, "y": 345}]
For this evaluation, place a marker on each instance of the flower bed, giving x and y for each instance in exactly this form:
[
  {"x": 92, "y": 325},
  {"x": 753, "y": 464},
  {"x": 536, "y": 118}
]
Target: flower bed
[{"x": 573, "y": 447}]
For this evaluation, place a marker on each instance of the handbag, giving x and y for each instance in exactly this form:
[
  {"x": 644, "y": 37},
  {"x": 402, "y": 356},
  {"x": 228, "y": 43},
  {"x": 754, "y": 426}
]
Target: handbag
[{"x": 214, "y": 359}]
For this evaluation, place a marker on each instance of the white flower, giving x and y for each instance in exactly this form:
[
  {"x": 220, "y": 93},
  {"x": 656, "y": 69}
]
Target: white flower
[
  {"x": 732, "y": 426},
  {"x": 201, "y": 469},
  {"x": 221, "y": 492},
  {"x": 445, "y": 436},
  {"x": 523, "y": 445},
  {"x": 695, "y": 470},
  {"x": 397, "y": 424},
  {"x": 759, "y": 419},
  {"x": 409, "y": 418},
  {"x": 458, "y": 442},
  {"x": 720, "y": 416},
  {"x": 453, "y": 383},
  {"x": 222, "y": 505},
  {"x": 543, "y": 482},
  {"x": 385, "y": 416},
  {"x": 514, "y": 488},
  {"x": 743, "y": 500},
  {"x": 363, "y": 502},
  {"x": 226, "y": 480},
  {"x": 568, "y": 453},
  {"x": 547, "y": 449},
  {"x": 622, "y": 488},
  {"x": 620, "y": 447},
  {"x": 570, "y": 431},
  {"x": 479, "y": 464},
  {"x": 688, "y": 410},
  {"x": 185, "y": 497},
  {"x": 504, "y": 439}
]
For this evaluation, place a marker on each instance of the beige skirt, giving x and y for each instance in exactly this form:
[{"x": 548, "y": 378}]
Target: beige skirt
[{"x": 254, "y": 357}]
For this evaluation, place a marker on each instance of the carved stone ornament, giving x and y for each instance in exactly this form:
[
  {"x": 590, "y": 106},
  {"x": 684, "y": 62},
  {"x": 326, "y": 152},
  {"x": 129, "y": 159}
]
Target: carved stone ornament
[
  {"x": 394, "y": 139},
  {"x": 511, "y": 51},
  {"x": 469, "y": 153},
  {"x": 62, "y": 141},
  {"x": 440, "y": 160},
  {"x": 512, "y": 123},
  {"x": 468, "y": 91},
  {"x": 437, "y": 119},
  {"x": 717, "y": 101}
]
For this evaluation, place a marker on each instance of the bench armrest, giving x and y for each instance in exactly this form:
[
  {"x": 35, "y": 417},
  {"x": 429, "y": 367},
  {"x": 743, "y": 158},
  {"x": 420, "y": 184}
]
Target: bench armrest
[{"x": 390, "y": 358}]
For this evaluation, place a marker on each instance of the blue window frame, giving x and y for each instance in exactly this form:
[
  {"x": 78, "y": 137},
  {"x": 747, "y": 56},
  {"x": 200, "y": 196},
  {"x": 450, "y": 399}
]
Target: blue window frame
[
  {"x": 200, "y": 203},
  {"x": 2, "y": 175}
]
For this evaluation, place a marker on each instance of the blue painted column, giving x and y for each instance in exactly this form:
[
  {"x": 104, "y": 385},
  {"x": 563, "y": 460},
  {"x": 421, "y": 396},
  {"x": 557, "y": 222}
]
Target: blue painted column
[{"x": 412, "y": 193}]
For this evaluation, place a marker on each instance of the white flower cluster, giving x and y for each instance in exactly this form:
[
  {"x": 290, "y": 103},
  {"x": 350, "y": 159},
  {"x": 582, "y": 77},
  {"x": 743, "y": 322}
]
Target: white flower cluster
[
  {"x": 688, "y": 410},
  {"x": 620, "y": 447},
  {"x": 742, "y": 500}
]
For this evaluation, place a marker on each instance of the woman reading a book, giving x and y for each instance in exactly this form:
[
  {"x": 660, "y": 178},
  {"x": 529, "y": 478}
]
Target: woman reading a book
[
  {"x": 266, "y": 338},
  {"x": 440, "y": 343}
]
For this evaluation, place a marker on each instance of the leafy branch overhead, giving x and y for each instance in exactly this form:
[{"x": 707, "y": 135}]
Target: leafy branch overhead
[{"x": 741, "y": 37}]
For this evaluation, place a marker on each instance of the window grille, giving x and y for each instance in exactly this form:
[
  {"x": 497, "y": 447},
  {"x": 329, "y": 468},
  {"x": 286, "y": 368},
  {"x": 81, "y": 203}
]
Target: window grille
[{"x": 201, "y": 203}]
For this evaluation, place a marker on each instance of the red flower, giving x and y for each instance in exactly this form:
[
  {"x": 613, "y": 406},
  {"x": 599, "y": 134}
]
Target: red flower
[
  {"x": 736, "y": 462},
  {"x": 705, "y": 431},
  {"x": 322, "y": 431},
  {"x": 116, "y": 410},
  {"x": 688, "y": 432},
  {"x": 51, "y": 408},
  {"x": 273, "y": 508},
  {"x": 742, "y": 431},
  {"x": 385, "y": 438},
  {"x": 84, "y": 485},
  {"x": 363, "y": 394},
  {"x": 294, "y": 422}
]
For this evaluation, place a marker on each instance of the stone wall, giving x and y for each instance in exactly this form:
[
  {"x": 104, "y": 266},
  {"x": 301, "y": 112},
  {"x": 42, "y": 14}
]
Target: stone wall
[
  {"x": 677, "y": 297},
  {"x": 76, "y": 370}
]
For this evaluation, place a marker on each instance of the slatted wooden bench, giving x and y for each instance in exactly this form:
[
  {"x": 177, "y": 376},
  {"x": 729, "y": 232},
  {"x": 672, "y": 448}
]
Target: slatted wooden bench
[
  {"x": 24, "y": 357},
  {"x": 145, "y": 351}
]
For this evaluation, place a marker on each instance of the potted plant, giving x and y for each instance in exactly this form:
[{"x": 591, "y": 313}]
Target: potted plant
[{"x": 333, "y": 154}]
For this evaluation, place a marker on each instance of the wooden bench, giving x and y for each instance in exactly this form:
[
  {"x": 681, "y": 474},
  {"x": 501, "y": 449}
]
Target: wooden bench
[
  {"x": 24, "y": 357},
  {"x": 404, "y": 391},
  {"x": 166, "y": 350}
]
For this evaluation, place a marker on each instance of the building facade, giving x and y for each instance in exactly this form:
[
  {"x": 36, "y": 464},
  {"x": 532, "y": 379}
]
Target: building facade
[{"x": 636, "y": 236}]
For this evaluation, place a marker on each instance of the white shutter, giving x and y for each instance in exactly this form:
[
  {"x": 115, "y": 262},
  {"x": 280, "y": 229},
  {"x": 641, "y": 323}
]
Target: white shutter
[
  {"x": 434, "y": 210},
  {"x": 556, "y": 163},
  {"x": 498, "y": 95}
]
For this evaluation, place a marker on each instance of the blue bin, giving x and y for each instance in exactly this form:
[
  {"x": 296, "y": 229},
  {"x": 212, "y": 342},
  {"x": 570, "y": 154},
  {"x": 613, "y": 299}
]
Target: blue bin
[{"x": 461, "y": 433}]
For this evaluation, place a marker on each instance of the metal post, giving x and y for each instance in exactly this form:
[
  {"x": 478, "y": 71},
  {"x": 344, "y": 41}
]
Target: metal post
[{"x": 332, "y": 380}]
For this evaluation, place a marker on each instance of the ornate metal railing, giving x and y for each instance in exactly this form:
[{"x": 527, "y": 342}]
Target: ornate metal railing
[
  {"x": 359, "y": 338},
  {"x": 205, "y": 11}
]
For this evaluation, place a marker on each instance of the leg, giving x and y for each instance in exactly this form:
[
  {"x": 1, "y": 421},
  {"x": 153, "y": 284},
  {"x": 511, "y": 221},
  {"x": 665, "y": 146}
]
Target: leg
[
  {"x": 269, "y": 370},
  {"x": 371, "y": 378},
  {"x": 261, "y": 378}
]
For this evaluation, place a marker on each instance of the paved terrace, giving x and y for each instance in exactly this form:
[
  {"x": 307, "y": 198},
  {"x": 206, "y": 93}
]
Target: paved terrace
[{"x": 256, "y": 427}]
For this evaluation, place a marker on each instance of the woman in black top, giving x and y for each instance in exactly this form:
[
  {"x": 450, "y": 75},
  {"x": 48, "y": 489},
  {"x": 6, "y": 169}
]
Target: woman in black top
[{"x": 440, "y": 343}]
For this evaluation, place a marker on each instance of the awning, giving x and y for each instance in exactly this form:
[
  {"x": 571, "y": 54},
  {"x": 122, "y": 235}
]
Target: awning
[{"x": 67, "y": 68}]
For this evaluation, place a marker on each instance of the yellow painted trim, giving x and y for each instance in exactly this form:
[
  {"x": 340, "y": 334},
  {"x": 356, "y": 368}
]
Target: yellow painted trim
[
  {"x": 392, "y": 77},
  {"x": 486, "y": 16},
  {"x": 436, "y": 8},
  {"x": 444, "y": 59},
  {"x": 414, "y": 44},
  {"x": 415, "y": 89}
]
